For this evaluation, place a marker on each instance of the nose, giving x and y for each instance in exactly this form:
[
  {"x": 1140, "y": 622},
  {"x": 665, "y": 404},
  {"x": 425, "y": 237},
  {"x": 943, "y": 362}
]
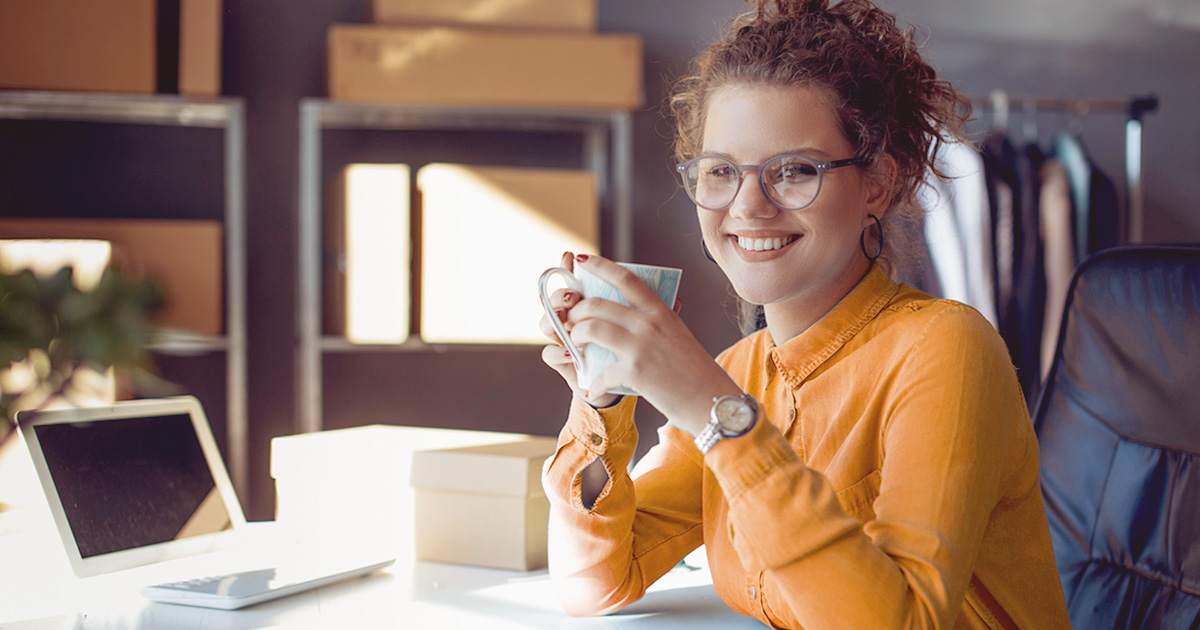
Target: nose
[{"x": 750, "y": 202}]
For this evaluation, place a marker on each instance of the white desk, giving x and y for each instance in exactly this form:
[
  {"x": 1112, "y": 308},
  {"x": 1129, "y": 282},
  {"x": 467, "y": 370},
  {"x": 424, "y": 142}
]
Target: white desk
[{"x": 39, "y": 592}]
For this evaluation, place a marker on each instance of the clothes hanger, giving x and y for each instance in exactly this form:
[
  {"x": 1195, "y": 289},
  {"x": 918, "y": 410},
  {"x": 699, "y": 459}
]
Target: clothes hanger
[
  {"x": 1000, "y": 108},
  {"x": 1029, "y": 128},
  {"x": 1079, "y": 112}
]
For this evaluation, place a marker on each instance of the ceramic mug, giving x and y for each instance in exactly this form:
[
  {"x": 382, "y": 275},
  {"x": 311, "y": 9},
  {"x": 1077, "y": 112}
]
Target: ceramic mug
[{"x": 592, "y": 360}]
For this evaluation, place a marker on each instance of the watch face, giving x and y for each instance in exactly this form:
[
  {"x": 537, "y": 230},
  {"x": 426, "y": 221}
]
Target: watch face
[{"x": 734, "y": 414}]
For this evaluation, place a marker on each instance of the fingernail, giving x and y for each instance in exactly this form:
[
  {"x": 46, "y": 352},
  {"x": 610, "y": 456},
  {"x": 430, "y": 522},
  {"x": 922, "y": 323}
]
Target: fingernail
[
  {"x": 562, "y": 314},
  {"x": 581, "y": 257},
  {"x": 568, "y": 296},
  {"x": 566, "y": 353}
]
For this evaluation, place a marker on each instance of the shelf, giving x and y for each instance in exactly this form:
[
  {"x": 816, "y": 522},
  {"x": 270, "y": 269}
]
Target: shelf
[
  {"x": 341, "y": 345},
  {"x": 607, "y": 153},
  {"x": 119, "y": 108},
  {"x": 334, "y": 115},
  {"x": 228, "y": 116},
  {"x": 186, "y": 344}
]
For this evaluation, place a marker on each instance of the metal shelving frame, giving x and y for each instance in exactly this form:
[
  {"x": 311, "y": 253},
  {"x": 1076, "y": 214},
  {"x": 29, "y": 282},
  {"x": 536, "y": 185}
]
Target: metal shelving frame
[
  {"x": 607, "y": 152},
  {"x": 227, "y": 114}
]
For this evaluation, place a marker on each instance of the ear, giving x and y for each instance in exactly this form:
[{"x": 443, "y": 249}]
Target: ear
[{"x": 881, "y": 185}]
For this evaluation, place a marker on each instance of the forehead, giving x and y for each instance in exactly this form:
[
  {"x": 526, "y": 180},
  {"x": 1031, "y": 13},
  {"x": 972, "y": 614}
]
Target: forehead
[{"x": 754, "y": 121}]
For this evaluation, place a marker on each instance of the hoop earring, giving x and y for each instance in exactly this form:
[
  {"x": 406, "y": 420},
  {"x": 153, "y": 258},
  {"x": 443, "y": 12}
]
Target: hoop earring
[
  {"x": 862, "y": 240},
  {"x": 707, "y": 253}
]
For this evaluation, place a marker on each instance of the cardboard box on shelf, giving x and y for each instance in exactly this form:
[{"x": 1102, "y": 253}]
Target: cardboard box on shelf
[
  {"x": 356, "y": 481},
  {"x": 483, "y": 505},
  {"x": 474, "y": 67},
  {"x": 200, "y": 48},
  {"x": 95, "y": 46},
  {"x": 558, "y": 15},
  {"x": 183, "y": 256}
]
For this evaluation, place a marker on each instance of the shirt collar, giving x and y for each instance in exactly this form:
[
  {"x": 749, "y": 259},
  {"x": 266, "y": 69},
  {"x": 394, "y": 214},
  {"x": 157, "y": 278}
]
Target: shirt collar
[{"x": 801, "y": 355}]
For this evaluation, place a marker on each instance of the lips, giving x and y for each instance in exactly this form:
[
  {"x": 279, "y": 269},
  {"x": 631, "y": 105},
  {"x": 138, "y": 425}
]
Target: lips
[{"x": 765, "y": 244}]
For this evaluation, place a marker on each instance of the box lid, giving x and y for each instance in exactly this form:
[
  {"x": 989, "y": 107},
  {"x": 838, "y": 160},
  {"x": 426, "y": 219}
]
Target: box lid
[{"x": 506, "y": 469}]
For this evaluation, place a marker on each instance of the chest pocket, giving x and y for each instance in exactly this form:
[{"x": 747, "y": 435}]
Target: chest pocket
[{"x": 858, "y": 500}]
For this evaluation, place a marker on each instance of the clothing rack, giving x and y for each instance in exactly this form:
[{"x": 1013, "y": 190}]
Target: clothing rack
[{"x": 1001, "y": 104}]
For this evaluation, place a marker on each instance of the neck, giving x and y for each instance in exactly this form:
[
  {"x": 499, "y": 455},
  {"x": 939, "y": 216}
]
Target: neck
[{"x": 789, "y": 318}]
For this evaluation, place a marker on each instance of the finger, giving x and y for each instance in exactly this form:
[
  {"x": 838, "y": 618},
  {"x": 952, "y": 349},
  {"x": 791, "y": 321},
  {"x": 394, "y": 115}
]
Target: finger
[
  {"x": 560, "y": 361},
  {"x": 637, "y": 293},
  {"x": 564, "y": 299},
  {"x": 678, "y": 306},
  {"x": 561, "y": 301},
  {"x": 568, "y": 261},
  {"x": 603, "y": 332}
]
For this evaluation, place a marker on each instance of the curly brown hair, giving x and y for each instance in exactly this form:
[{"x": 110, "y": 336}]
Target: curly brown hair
[{"x": 888, "y": 98}]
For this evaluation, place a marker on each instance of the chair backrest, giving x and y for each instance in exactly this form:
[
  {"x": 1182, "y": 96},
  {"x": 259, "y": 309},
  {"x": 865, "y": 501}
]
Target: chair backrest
[{"x": 1118, "y": 425}]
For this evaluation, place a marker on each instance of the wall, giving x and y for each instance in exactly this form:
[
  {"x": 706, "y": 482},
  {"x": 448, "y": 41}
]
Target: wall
[{"x": 274, "y": 56}]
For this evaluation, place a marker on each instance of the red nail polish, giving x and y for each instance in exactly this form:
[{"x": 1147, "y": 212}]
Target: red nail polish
[
  {"x": 562, "y": 314},
  {"x": 568, "y": 296},
  {"x": 581, "y": 257},
  {"x": 566, "y": 353}
]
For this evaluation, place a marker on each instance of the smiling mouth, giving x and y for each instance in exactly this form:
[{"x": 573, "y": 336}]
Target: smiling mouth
[{"x": 765, "y": 244}]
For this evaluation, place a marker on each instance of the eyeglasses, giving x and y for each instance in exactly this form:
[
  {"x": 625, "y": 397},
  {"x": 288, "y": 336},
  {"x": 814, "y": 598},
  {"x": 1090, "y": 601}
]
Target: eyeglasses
[{"x": 789, "y": 181}]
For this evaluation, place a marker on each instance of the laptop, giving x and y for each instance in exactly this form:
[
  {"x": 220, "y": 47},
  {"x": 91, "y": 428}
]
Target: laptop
[{"x": 142, "y": 482}]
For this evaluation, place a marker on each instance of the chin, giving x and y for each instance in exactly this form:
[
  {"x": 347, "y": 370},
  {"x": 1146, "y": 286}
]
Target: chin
[{"x": 759, "y": 293}]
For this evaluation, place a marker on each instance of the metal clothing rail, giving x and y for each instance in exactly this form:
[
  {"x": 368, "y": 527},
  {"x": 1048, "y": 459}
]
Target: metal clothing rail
[{"x": 1135, "y": 108}]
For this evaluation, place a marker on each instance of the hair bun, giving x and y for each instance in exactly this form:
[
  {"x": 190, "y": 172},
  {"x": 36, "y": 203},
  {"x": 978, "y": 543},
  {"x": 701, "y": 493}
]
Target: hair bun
[{"x": 791, "y": 8}]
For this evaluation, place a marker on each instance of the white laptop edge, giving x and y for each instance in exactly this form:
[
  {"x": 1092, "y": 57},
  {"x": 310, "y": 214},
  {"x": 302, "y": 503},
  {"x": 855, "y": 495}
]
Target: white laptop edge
[{"x": 119, "y": 560}]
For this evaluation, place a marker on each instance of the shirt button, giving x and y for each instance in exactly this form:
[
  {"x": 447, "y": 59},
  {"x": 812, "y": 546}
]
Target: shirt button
[
  {"x": 595, "y": 439},
  {"x": 791, "y": 414},
  {"x": 753, "y": 593}
]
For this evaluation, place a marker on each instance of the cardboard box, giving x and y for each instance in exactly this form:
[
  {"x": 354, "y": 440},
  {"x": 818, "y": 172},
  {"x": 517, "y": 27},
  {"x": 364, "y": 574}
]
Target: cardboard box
[
  {"x": 356, "y": 481},
  {"x": 554, "y": 15},
  {"x": 183, "y": 256},
  {"x": 93, "y": 46},
  {"x": 200, "y": 48},
  {"x": 445, "y": 66},
  {"x": 483, "y": 505},
  {"x": 525, "y": 218}
]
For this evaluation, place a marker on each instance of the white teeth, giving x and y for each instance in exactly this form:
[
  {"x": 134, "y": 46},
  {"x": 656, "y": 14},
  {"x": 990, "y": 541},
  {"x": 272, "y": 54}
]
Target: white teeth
[{"x": 763, "y": 244}]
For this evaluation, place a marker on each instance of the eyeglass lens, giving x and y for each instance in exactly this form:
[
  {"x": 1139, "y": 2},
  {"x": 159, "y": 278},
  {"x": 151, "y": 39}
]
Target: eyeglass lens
[{"x": 790, "y": 181}]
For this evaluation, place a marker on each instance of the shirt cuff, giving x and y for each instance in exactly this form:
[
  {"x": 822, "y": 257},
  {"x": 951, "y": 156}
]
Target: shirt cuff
[{"x": 597, "y": 429}]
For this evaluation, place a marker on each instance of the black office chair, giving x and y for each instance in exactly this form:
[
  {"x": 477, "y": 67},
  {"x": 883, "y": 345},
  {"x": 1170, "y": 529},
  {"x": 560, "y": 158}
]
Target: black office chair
[{"x": 1118, "y": 424}]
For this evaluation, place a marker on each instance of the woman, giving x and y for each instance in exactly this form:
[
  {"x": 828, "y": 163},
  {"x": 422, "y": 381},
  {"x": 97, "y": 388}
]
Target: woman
[{"x": 866, "y": 460}]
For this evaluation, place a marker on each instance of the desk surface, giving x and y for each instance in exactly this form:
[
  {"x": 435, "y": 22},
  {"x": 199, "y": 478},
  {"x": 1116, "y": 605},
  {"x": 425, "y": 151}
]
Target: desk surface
[{"x": 39, "y": 592}]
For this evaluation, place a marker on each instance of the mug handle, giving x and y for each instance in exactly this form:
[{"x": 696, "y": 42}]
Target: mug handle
[{"x": 572, "y": 282}]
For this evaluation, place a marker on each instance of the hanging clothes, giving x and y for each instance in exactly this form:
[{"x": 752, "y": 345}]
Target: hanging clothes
[
  {"x": 958, "y": 229},
  {"x": 1058, "y": 248},
  {"x": 1029, "y": 277},
  {"x": 1096, "y": 222}
]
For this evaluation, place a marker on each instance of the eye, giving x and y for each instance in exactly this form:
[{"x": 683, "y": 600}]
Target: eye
[
  {"x": 717, "y": 171},
  {"x": 796, "y": 171}
]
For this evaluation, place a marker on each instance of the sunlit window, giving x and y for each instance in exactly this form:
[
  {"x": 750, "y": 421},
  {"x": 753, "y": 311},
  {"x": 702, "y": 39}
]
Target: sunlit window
[
  {"x": 487, "y": 233},
  {"x": 377, "y": 252}
]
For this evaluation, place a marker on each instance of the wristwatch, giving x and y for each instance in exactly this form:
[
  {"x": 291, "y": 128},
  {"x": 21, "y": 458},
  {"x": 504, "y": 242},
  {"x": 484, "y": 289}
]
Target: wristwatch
[{"x": 730, "y": 417}]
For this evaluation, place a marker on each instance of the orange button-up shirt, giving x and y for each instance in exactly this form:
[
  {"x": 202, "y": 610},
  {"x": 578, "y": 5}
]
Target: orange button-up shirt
[{"x": 891, "y": 482}]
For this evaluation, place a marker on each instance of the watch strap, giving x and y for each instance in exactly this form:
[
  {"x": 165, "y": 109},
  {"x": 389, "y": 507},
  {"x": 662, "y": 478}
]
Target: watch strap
[{"x": 708, "y": 437}]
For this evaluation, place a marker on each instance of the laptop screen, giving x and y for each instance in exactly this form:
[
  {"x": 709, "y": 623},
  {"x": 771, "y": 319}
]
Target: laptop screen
[{"x": 131, "y": 482}]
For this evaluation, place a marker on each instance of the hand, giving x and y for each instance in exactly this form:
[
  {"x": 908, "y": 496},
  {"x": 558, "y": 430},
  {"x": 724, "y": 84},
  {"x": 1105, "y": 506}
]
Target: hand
[
  {"x": 657, "y": 355},
  {"x": 556, "y": 355}
]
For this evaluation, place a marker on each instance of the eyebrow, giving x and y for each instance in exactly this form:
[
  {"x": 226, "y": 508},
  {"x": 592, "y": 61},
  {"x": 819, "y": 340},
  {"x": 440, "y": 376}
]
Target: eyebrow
[{"x": 805, "y": 151}]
